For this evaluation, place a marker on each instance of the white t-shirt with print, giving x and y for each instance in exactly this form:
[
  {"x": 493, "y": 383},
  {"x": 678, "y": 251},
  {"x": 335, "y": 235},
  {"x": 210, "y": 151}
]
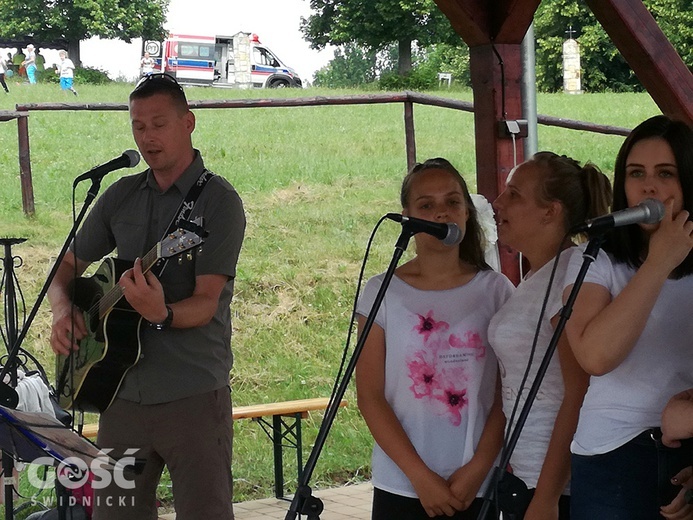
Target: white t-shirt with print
[
  {"x": 67, "y": 68},
  {"x": 440, "y": 374}
]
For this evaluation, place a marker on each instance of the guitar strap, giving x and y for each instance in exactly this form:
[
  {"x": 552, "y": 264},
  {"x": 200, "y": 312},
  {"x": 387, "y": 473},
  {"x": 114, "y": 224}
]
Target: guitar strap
[{"x": 183, "y": 213}]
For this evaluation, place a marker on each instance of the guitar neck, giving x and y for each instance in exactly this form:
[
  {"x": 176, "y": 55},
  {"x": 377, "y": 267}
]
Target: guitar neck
[{"x": 116, "y": 292}]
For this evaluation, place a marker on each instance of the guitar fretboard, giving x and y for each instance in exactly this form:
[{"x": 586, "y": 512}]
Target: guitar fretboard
[{"x": 112, "y": 297}]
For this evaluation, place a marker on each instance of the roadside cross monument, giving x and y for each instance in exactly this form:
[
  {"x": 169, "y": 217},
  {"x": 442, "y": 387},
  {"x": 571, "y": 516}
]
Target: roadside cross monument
[{"x": 571, "y": 64}]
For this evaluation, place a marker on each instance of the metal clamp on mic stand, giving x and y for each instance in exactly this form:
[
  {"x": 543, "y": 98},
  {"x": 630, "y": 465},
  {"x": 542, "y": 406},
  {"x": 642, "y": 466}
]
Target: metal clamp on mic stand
[
  {"x": 303, "y": 502},
  {"x": 589, "y": 256}
]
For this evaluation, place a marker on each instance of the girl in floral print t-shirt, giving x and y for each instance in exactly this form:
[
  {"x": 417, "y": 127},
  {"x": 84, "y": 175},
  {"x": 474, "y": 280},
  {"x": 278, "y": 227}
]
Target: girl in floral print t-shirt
[{"x": 426, "y": 379}]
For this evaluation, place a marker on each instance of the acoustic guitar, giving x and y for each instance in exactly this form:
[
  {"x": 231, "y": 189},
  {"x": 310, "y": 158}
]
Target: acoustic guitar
[{"x": 89, "y": 378}]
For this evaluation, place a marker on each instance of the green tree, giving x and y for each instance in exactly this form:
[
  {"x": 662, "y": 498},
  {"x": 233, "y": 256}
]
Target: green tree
[
  {"x": 603, "y": 66},
  {"x": 444, "y": 57},
  {"x": 376, "y": 24},
  {"x": 76, "y": 20},
  {"x": 351, "y": 66}
]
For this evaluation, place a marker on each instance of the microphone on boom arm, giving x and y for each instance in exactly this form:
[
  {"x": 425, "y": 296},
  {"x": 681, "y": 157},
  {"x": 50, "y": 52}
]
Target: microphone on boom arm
[
  {"x": 649, "y": 211},
  {"x": 129, "y": 159},
  {"x": 449, "y": 233}
]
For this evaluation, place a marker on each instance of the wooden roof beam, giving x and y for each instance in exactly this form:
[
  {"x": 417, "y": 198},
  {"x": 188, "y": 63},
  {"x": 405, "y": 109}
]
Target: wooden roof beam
[{"x": 480, "y": 21}]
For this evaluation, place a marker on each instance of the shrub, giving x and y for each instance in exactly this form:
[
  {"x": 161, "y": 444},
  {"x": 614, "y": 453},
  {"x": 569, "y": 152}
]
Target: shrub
[
  {"x": 419, "y": 78},
  {"x": 91, "y": 76}
]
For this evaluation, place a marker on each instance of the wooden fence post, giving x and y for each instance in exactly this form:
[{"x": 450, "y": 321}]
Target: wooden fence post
[
  {"x": 409, "y": 137},
  {"x": 25, "y": 164}
]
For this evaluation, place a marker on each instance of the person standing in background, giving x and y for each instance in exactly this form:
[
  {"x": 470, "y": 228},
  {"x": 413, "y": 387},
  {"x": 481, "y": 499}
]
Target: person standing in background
[
  {"x": 147, "y": 64},
  {"x": 29, "y": 64}
]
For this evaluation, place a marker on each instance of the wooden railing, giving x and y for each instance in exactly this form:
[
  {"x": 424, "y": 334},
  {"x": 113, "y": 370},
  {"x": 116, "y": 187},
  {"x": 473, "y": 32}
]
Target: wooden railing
[{"x": 408, "y": 99}]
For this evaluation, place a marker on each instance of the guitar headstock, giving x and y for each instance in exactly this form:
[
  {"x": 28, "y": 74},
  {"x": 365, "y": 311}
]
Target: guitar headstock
[{"x": 189, "y": 235}]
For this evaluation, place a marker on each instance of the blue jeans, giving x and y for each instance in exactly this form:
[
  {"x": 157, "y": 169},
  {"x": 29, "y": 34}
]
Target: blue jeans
[{"x": 628, "y": 483}]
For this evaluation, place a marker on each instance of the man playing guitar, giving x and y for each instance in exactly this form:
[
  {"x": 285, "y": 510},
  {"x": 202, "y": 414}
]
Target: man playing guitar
[{"x": 173, "y": 405}]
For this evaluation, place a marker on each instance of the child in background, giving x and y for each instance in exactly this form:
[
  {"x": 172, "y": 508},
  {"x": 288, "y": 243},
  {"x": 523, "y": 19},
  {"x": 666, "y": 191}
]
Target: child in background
[
  {"x": 3, "y": 70},
  {"x": 66, "y": 69}
]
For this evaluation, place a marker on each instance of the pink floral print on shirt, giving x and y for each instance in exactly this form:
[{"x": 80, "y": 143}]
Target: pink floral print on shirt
[
  {"x": 437, "y": 370},
  {"x": 471, "y": 340}
]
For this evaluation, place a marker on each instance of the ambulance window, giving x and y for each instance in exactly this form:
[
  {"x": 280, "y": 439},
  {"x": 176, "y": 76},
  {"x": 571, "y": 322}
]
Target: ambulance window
[
  {"x": 259, "y": 56},
  {"x": 187, "y": 50},
  {"x": 263, "y": 57},
  {"x": 195, "y": 51}
]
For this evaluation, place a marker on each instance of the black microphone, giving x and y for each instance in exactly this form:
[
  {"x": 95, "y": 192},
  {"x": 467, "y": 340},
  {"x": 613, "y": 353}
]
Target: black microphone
[
  {"x": 449, "y": 233},
  {"x": 129, "y": 159},
  {"x": 649, "y": 211}
]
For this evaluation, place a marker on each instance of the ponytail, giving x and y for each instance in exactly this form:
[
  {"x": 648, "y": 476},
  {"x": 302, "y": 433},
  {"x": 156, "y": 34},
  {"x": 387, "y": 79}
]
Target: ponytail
[{"x": 583, "y": 191}]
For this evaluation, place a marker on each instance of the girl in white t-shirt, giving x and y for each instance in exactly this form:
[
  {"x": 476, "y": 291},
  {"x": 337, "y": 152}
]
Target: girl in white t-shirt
[
  {"x": 544, "y": 198},
  {"x": 426, "y": 379},
  {"x": 632, "y": 330}
]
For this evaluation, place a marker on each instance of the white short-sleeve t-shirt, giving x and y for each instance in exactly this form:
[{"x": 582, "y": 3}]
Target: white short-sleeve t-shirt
[
  {"x": 511, "y": 334},
  {"x": 440, "y": 374},
  {"x": 630, "y": 399}
]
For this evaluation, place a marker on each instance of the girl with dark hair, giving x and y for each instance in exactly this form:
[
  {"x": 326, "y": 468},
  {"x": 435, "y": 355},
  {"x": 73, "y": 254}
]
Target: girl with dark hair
[
  {"x": 426, "y": 379},
  {"x": 631, "y": 330},
  {"x": 544, "y": 199}
]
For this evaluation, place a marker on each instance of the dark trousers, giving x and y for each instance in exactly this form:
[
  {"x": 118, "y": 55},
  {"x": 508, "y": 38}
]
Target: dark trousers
[
  {"x": 563, "y": 508},
  {"x": 628, "y": 483},
  {"x": 191, "y": 436},
  {"x": 388, "y": 506},
  {"x": 2, "y": 82}
]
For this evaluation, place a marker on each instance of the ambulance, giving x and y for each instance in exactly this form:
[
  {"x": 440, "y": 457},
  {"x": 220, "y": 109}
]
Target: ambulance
[{"x": 238, "y": 61}]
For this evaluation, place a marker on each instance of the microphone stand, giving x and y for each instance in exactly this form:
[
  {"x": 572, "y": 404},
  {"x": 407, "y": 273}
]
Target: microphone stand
[
  {"x": 589, "y": 256},
  {"x": 15, "y": 341},
  {"x": 91, "y": 195},
  {"x": 303, "y": 502},
  {"x": 9, "y": 397}
]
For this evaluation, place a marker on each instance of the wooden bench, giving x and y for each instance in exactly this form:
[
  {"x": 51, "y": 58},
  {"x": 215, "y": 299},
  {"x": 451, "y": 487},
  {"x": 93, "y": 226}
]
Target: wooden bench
[{"x": 284, "y": 430}]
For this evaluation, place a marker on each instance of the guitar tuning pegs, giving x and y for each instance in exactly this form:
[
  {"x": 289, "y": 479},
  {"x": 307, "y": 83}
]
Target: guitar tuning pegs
[
  {"x": 189, "y": 256},
  {"x": 199, "y": 250},
  {"x": 180, "y": 261}
]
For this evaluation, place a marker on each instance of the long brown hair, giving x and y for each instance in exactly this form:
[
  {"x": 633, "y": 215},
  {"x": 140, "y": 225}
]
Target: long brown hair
[{"x": 626, "y": 243}]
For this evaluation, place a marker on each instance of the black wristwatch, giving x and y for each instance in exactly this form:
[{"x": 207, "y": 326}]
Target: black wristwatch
[{"x": 164, "y": 324}]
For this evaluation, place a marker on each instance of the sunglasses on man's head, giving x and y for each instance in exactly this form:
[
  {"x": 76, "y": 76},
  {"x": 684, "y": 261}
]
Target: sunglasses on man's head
[{"x": 157, "y": 78}]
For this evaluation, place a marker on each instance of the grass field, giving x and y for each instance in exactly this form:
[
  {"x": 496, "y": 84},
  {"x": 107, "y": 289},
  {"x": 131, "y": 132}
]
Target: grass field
[{"x": 314, "y": 181}]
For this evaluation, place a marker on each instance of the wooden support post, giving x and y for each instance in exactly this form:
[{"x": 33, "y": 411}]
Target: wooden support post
[
  {"x": 410, "y": 138},
  {"x": 497, "y": 97},
  {"x": 25, "y": 165}
]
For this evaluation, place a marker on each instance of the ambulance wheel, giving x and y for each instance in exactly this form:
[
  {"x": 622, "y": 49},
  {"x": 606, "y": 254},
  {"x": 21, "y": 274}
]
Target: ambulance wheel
[{"x": 279, "y": 83}]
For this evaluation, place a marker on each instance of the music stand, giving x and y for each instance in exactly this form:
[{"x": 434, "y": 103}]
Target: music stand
[{"x": 40, "y": 438}]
